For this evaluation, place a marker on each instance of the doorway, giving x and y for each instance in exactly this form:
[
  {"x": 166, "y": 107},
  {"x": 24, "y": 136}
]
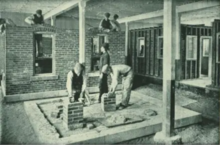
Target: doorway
[{"x": 205, "y": 56}]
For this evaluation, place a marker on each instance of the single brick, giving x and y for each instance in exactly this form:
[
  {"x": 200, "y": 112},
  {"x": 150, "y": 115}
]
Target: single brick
[
  {"x": 70, "y": 112},
  {"x": 60, "y": 106},
  {"x": 78, "y": 111},
  {"x": 54, "y": 114},
  {"x": 73, "y": 108},
  {"x": 77, "y": 118},
  {"x": 90, "y": 126}
]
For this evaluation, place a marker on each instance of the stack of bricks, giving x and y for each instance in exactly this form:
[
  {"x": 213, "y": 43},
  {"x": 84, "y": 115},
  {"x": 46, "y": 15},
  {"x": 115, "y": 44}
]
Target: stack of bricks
[
  {"x": 73, "y": 115},
  {"x": 108, "y": 102}
]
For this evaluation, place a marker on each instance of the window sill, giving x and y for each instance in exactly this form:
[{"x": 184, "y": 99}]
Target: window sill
[
  {"x": 43, "y": 77},
  {"x": 191, "y": 59}
]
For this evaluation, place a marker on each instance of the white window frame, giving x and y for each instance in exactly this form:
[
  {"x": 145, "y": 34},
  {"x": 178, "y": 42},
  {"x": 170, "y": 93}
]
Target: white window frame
[
  {"x": 203, "y": 53},
  {"x": 97, "y": 39},
  {"x": 53, "y": 73},
  {"x": 187, "y": 47},
  {"x": 138, "y": 46},
  {"x": 217, "y": 47},
  {"x": 158, "y": 47}
]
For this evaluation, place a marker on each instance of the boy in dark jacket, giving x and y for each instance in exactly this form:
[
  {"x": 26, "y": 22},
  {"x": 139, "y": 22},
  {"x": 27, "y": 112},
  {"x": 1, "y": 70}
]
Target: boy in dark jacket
[{"x": 105, "y": 24}]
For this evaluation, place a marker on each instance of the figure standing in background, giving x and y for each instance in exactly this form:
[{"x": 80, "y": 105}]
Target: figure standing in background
[
  {"x": 105, "y": 24},
  {"x": 115, "y": 24},
  {"x": 37, "y": 18},
  {"x": 103, "y": 79}
]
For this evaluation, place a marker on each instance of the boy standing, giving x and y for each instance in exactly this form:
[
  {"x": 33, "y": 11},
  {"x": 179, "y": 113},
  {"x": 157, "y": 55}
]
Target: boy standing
[
  {"x": 103, "y": 82},
  {"x": 37, "y": 18}
]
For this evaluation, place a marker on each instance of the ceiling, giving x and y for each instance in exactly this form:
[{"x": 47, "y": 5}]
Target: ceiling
[
  {"x": 29, "y": 6},
  {"x": 94, "y": 9}
]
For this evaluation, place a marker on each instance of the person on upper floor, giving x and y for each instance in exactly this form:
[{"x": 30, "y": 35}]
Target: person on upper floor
[
  {"x": 36, "y": 18},
  {"x": 115, "y": 24},
  {"x": 105, "y": 24}
]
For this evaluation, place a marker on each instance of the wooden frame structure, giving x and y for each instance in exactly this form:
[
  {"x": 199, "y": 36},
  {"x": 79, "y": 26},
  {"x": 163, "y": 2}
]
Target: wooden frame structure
[{"x": 151, "y": 65}]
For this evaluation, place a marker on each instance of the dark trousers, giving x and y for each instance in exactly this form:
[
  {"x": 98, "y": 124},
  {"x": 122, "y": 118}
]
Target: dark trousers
[
  {"x": 38, "y": 43},
  {"x": 103, "y": 86}
]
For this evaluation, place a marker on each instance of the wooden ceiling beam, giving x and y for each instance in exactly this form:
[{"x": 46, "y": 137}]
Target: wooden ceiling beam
[
  {"x": 180, "y": 9},
  {"x": 62, "y": 8}
]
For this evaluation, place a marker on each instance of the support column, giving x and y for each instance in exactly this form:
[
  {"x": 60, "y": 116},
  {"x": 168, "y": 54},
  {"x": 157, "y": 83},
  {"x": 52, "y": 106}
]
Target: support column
[
  {"x": 53, "y": 21},
  {"x": 126, "y": 41},
  {"x": 169, "y": 50},
  {"x": 178, "y": 42},
  {"x": 82, "y": 33},
  {"x": 178, "y": 26}
]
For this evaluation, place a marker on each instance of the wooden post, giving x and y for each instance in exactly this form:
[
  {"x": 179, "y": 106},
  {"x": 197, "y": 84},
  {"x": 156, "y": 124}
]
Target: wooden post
[
  {"x": 82, "y": 38},
  {"x": 53, "y": 21},
  {"x": 169, "y": 51},
  {"x": 178, "y": 41},
  {"x": 126, "y": 40},
  {"x": 178, "y": 24}
]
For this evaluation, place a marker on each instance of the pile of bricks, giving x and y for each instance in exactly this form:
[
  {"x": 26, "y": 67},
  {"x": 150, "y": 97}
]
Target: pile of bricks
[
  {"x": 108, "y": 102},
  {"x": 73, "y": 115}
]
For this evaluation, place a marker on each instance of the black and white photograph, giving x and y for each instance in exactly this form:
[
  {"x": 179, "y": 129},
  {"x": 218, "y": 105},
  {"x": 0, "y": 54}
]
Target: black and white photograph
[{"x": 138, "y": 72}]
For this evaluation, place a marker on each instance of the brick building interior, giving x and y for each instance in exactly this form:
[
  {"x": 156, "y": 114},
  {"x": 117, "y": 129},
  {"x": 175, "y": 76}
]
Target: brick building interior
[{"x": 139, "y": 44}]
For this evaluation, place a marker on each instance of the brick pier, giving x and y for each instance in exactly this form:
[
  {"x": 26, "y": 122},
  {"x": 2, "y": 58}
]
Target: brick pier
[
  {"x": 108, "y": 102},
  {"x": 73, "y": 115}
]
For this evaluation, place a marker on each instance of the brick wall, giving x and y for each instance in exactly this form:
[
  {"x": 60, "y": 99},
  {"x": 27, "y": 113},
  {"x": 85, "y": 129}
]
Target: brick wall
[
  {"x": 116, "y": 47},
  {"x": 117, "y": 52},
  {"x": 19, "y": 58}
]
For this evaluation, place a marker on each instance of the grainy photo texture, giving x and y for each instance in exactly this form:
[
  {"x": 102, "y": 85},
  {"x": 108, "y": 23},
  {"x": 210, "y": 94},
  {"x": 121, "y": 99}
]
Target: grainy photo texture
[{"x": 109, "y": 72}]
